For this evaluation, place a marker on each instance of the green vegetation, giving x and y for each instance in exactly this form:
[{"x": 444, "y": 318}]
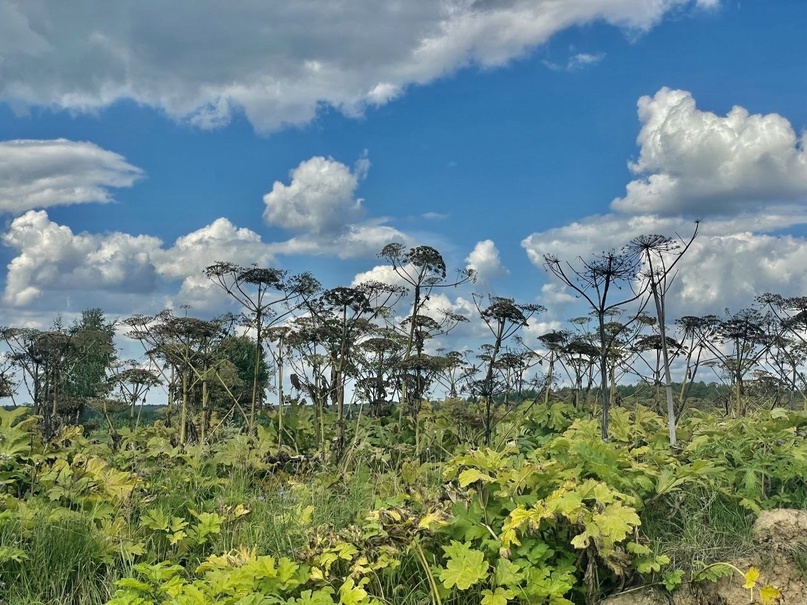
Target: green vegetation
[
  {"x": 553, "y": 487},
  {"x": 550, "y": 513}
]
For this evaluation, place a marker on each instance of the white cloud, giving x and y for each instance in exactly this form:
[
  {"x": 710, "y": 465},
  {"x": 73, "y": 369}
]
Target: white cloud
[
  {"x": 52, "y": 258},
  {"x": 554, "y": 295},
  {"x": 726, "y": 266},
  {"x": 380, "y": 273},
  {"x": 439, "y": 302},
  {"x": 730, "y": 271},
  {"x": 485, "y": 260},
  {"x": 576, "y": 62},
  {"x": 697, "y": 163},
  {"x": 219, "y": 241},
  {"x": 74, "y": 268},
  {"x": 746, "y": 174},
  {"x": 581, "y": 60},
  {"x": 203, "y": 60},
  {"x": 320, "y": 205},
  {"x": 536, "y": 329},
  {"x": 45, "y": 173},
  {"x": 116, "y": 267},
  {"x": 355, "y": 241},
  {"x": 435, "y": 216},
  {"x": 320, "y": 198}
]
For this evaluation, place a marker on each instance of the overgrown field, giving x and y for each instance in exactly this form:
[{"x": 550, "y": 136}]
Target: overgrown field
[{"x": 406, "y": 513}]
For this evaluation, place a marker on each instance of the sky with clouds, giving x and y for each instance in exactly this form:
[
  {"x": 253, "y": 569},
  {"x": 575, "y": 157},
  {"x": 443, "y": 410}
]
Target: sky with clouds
[{"x": 141, "y": 141}]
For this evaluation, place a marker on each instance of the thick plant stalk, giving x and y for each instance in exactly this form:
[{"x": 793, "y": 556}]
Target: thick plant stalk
[
  {"x": 183, "y": 414},
  {"x": 256, "y": 370}
]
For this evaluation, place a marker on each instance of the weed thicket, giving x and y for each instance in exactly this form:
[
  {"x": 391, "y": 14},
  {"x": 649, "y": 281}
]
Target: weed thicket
[{"x": 550, "y": 514}]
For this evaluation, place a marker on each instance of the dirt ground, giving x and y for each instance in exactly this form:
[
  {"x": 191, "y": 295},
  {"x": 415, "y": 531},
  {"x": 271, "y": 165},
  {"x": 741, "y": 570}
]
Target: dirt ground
[{"x": 781, "y": 535}]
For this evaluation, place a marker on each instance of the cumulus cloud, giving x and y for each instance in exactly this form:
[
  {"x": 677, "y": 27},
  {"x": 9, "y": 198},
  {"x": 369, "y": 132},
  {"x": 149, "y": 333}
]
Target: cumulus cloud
[
  {"x": 697, "y": 163},
  {"x": 319, "y": 204},
  {"x": 320, "y": 198},
  {"x": 380, "y": 273},
  {"x": 204, "y": 61},
  {"x": 727, "y": 266},
  {"x": 51, "y": 258},
  {"x": 729, "y": 271},
  {"x": 744, "y": 174},
  {"x": 221, "y": 240},
  {"x": 355, "y": 241},
  {"x": 45, "y": 173},
  {"x": 485, "y": 260},
  {"x": 535, "y": 329},
  {"x": 595, "y": 234}
]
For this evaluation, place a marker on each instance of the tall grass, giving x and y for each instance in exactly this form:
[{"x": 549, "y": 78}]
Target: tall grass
[
  {"x": 66, "y": 562},
  {"x": 699, "y": 526}
]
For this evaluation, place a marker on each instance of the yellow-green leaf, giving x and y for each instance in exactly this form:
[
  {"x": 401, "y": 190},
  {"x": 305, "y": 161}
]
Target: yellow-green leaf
[
  {"x": 508, "y": 573},
  {"x": 769, "y": 595},
  {"x": 499, "y": 597},
  {"x": 472, "y": 475},
  {"x": 465, "y": 566},
  {"x": 751, "y": 576},
  {"x": 350, "y": 594}
]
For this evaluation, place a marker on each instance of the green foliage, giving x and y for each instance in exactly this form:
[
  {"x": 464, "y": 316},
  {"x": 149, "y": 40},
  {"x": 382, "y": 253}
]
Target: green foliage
[
  {"x": 53, "y": 554},
  {"x": 555, "y": 517},
  {"x": 238, "y": 577},
  {"x": 15, "y": 445},
  {"x": 91, "y": 354},
  {"x": 464, "y": 566},
  {"x": 764, "y": 457}
]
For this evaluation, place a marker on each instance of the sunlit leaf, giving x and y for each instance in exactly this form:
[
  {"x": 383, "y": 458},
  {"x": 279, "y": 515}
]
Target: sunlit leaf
[
  {"x": 472, "y": 475},
  {"x": 769, "y": 595},
  {"x": 751, "y": 576},
  {"x": 465, "y": 566},
  {"x": 498, "y": 597}
]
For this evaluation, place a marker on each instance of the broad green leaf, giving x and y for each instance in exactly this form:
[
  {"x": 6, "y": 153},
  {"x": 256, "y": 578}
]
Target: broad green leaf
[
  {"x": 11, "y": 553},
  {"x": 316, "y": 597},
  {"x": 15, "y": 440},
  {"x": 350, "y": 594},
  {"x": 567, "y": 504},
  {"x": 471, "y": 475},
  {"x": 286, "y": 568},
  {"x": 207, "y": 524},
  {"x": 346, "y": 550},
  {"x": 617, "y": 521},
  {"x": 133, "y": 584},
  {"x": 155, "y": 519},
  {"x": 435, "y": 517},
  {"x": 498, "y": 597},
  {"x": 651, "y": 564},
  {"x": 465, "y": 566},
  {"x": 638, "y": 549},
  {"x": 508, "y": 573},
  {"x": 580, "y": 541}
]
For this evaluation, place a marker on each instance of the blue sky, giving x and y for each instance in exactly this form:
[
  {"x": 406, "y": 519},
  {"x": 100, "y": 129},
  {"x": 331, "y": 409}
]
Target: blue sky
[{"x": 138, "y": 142}]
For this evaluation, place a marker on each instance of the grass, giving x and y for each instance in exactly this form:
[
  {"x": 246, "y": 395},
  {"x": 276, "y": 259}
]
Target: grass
[
  {"x": 698, "y": 527},
  {"x": 798, "y": 553},
  {"x": 66, "y": 562}
]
